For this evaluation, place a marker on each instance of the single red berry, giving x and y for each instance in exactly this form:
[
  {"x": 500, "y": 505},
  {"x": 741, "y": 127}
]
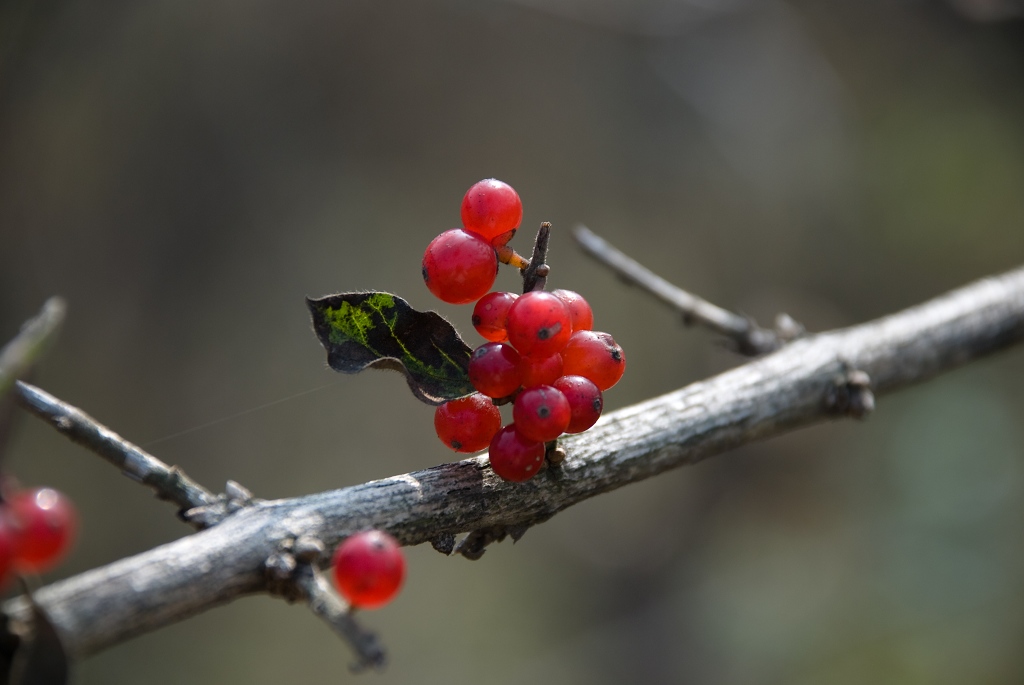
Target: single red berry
[
  {"x": 46, "y": 524},
  {"x": 515, "y": 457},
  {"x": 459, "y": 267},
  {"x": 538, "y": 324},
  {"x": 490, "y": 313},
  {"x": 585, "y": 401},
  {"x": 494, "y": 369},
  {"x": 580, "y": 313},
  {"x": 468, "y": 423},
  {"x": 540, "y": 371},
  {"x": 369, "y": 569},
  {"x": 596, "y": 356},
  {"x": 491, "y": 209},
  {"x": 541, "y": 413}
]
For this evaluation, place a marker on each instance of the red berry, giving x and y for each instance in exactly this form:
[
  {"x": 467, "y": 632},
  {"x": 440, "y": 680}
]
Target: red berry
[
  {"x": 468, "y": 423},
  {"x": 596, "y": 356},
  {"x": 514, "y": 457},
  {"x": 46, "y": 525},
  {"x": 459, "y": 267},
  {"x": 369, "y": 569},
  {"x": 541, "y": 413},
  {"x": 538, "y": 324},
  {"x": 489, "y": 315},
  {"x": 540, "y": 371},
  {"x": 494, "y": 369},
  {"x": 491, "y": 209},
  {"x": 580, "y": 313},
  {"x": 584, "y": 399}
]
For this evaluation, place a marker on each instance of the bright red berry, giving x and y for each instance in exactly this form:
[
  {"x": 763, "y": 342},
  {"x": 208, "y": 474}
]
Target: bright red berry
[
  {"x": 515, "y": 457},
  {"x": 494, "y": 369},
  {"x": 580, "y": 314},
  {"x": 468, "y": 423},
  {"x": 491, "y": 209},
  {"x": 490, "y": 313},
  {"x": 538, "y": 324},
  {"x": 584, "y": 399},
  {"x": 541, "y": 413},
  {"x": 369, "y": 569},
  {"x": 459, "y": 267},
  {"x": 596, "y": 356},
  {"x": 46, "y": 524},
  {"x": 540, "y": 370}
]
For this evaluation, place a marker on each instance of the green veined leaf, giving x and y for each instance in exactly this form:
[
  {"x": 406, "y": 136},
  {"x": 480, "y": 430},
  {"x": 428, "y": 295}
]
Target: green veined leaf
[{"x": 380, "y": 330}]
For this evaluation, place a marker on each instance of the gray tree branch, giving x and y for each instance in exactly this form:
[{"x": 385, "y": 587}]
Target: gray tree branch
[
  {"x": 169, "y": 482},
  {"x": 802, "y": 383},
  {"x": 18, "y": 356},
  {"x": 745, "y": 335}
]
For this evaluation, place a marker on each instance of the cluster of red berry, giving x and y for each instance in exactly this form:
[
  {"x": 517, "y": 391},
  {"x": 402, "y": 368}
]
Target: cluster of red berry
[
  {"x": 36, "y": 529},
  {"x": 541, "y": 351}
]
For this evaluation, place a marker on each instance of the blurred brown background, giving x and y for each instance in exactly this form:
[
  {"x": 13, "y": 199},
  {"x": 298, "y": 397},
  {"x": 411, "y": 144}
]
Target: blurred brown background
[{"x": 185, "y": 172}]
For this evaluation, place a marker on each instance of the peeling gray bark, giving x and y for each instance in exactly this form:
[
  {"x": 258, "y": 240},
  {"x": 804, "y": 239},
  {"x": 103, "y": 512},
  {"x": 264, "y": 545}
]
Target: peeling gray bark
[{"x": 789, "y": 388}]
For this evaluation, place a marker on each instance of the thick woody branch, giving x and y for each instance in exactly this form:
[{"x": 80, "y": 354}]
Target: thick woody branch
[
  {"x": 169, "y": 482},
  {"x": 792, "y": 387},
  {"x": 747, "y": 337}
]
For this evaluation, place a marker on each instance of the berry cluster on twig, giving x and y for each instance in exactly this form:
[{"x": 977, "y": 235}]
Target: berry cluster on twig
[{"x": 541, "y": 353}]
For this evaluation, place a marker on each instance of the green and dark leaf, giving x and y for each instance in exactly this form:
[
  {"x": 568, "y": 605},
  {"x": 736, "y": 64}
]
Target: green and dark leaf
[{"x": 381, "y": 331}]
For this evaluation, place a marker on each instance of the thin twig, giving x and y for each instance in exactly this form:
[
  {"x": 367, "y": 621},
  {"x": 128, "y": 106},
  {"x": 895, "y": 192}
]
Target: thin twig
[
  {"x": 292, "y": 573},
  {"x": 777, "y": 393},
  {"x": 535, "y": 276},
  {"x": 747, "y": 337},
  {"x": 329, "y": 607},
  {"x": 18, "y": 356},
  {"x": 169, "y": 482}
]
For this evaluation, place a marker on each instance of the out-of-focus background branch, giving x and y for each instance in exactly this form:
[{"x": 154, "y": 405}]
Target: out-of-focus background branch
[{"x": 184, "y": 173}]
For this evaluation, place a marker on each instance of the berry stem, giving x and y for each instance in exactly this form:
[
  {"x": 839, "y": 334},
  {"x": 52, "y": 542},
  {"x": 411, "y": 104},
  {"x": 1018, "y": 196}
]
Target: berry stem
[
  {"x": 535, "y": 275},
  {"x": 506, "y": 255},
  {"x": 502, "y": 401}
]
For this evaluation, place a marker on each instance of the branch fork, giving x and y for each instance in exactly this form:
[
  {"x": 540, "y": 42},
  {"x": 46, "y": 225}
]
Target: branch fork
[
  {"x": 294, "y": 574},
  {"x": 290, "y": 572}
]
